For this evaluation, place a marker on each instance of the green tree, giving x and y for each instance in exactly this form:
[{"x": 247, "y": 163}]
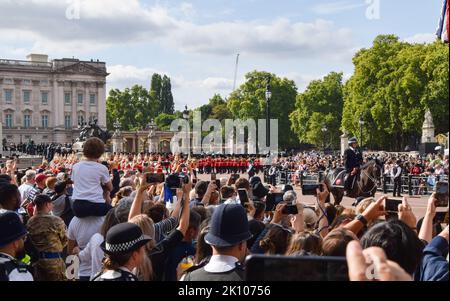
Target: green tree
[
  {"x": 155, "y": 89},
  {"x": 134, "y": 108},
  {"x": 216, "y": 109},
  {"x": 163, "y": 121},
  {"x": 393, "y": 85},
  {"x": 248, "y": 102},
  {"x": 319, "y": 108},
  {"x": 166, "y": 98}
]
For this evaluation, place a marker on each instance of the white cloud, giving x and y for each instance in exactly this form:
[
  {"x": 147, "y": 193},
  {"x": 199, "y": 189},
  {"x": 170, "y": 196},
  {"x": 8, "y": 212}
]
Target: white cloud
[
  {"x": 123, "y": 76},
  {"x": 335, "y": 7},
  {"x": 217, "y": 83},
  {"x": 421, "y": 38},
  {"x": 280, "y": 38},
  {"x": 101, "y": 23},
  {"x": 106, "y": 23},
  {"x": 187, "y": 9}
]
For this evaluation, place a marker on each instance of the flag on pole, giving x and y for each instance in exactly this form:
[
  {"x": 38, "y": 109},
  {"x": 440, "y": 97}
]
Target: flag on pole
[{"x": 443, "y": 28}]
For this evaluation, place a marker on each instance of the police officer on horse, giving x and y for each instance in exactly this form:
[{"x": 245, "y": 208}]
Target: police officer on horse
[{"x": 353, "y": 159}]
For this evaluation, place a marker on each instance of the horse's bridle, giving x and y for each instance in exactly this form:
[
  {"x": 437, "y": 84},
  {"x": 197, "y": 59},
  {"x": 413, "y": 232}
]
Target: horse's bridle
[{"x": 374, "y": 181}]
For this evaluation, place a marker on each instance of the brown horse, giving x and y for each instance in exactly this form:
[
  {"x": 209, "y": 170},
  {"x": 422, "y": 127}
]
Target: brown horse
[{"x": 365, "y": 185}]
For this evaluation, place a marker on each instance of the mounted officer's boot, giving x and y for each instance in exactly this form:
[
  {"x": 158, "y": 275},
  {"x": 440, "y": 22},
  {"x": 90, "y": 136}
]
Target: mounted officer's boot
[{"x": 347, "y": 184}]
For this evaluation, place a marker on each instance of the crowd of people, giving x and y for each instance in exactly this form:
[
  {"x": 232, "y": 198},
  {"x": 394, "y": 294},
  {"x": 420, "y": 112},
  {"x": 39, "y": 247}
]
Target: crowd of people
[
  {"x": 47, "y": 150},
  {"x": 149, "y": 217}
]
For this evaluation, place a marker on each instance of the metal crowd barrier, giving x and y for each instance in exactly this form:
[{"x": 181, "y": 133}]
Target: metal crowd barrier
[{"x": 413, "y": 185}]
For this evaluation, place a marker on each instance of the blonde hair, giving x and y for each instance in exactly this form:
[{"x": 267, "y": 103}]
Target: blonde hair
[
  {"x": 306, "y": 242},
  {"x": 145, "y": 269},
  {"x": 348, "y": 211},
  {"x": 123, "y": 192},
  {"x": 147, "y": 226},
  {"x": 362, "y": 206}
]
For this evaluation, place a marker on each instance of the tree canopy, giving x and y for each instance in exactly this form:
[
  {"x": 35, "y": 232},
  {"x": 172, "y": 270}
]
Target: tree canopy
[
  {"x": 318, "y": 111},
  {"x": 393, "y": 85}
]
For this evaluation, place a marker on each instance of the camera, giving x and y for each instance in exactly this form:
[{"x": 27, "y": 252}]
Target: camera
[{"x": 391, "y": 205}]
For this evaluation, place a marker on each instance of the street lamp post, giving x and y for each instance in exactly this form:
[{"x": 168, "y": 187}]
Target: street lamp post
[
  {"x": 186, "y": 117},
  {"x": 186, "y": 113},
  {"x": 361, "y": 124},
  {"x": 136, "y": 143},
  {"x": 268, "y": 98},
  {"x": 151, "y": 136}
]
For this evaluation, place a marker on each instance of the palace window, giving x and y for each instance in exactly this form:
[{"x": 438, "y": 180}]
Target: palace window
[
  {"x": 26, "y": 97},
  {"x": 9, "y": 121},
  {"x": 8, "y": 96}
]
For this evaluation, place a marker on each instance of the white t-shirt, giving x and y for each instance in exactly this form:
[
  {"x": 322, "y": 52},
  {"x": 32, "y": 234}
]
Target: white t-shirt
[
  {"x": 81, "y": 230},
  {"x": 24, "y": 189},
  {"x": 88, "y": 178},
  {"x": 94, "y": 253}
]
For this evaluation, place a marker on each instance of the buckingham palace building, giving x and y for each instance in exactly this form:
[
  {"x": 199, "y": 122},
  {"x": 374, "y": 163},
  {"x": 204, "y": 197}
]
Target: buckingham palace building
[{"x": 45, "y": 101}]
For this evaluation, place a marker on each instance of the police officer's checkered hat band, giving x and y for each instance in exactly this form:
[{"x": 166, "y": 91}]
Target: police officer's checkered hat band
[
  {"x": 124, "y": 238},
  {"x": 123, "y": 247}
]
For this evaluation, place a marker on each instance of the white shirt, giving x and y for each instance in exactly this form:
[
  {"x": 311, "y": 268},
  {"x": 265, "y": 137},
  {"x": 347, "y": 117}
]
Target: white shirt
[
  {"x": 15, "y": 274},
  {"x": 399, "y": 171},
  {"x": 94, "y": 253},
  {"x": 81, "y": 230},
  {"x": 232, "y": 201},
  {"x": 221, "y": 264},
  {"x": 24, "y": 189},
  {"x": 88, "y": 178}
]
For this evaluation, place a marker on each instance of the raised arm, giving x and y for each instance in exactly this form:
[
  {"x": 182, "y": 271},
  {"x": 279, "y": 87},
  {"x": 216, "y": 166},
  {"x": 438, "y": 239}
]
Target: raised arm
[
  {"x": 322, "y": 196},
  {"x": 207, "y": 197},
  {"x": 184, "y": 220},
  {"x": 374, "y": 211},
  {"x": 136, "y": 207},
  {"x": 426, "y": 231}
]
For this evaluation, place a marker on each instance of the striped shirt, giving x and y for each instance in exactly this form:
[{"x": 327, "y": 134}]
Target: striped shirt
[{"x": 164, "y": 227}]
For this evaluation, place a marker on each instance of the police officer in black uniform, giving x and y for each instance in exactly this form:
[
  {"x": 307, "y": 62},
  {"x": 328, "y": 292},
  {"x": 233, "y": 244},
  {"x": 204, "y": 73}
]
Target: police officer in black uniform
[
  {"x": 12, "y": 248},
  {"x": 228, "y": 237},
  {"x": 353, "y": 160},
  {"x": 124, "y": 248}
]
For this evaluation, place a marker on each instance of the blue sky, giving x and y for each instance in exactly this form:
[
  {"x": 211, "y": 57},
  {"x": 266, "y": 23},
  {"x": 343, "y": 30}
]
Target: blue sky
[{"x": 195, "y": 42}]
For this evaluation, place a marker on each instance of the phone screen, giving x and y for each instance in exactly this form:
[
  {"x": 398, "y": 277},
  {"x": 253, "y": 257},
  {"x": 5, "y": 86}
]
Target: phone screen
[
  {"x": 243, "y": 197},
  {"x": 155, "y": 178},
  {"x": 213, "y": 177},
  {"x": 442, "y": 194},
  {"x": 302, "y": 268}
]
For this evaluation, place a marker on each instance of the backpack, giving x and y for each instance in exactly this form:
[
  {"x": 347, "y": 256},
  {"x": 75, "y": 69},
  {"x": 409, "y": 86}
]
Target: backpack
[{"x": 67, "y": 215}]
